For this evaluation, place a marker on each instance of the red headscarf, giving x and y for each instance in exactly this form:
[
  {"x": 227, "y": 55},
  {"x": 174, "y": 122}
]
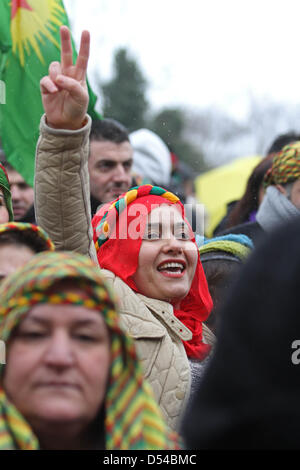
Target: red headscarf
[{"x": 115, "y": 225}]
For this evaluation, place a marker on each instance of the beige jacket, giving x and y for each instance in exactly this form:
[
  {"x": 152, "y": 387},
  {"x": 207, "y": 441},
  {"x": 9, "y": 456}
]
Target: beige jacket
[
  {"x": 62, "y": 193},
  {"x": 62, "y": 209},
  {"x": 158, "y": 337}
]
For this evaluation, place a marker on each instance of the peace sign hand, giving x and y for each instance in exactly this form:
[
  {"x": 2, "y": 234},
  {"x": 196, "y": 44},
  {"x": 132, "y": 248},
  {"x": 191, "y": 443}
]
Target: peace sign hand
[{"x": 64, "y": 91}]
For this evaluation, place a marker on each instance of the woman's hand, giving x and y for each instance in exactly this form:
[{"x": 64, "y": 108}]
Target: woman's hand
[{"x": 64, "y": 91}]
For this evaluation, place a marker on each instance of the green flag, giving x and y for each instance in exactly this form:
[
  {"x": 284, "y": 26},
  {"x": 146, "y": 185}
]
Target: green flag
[{"x": 29, "y": 41}]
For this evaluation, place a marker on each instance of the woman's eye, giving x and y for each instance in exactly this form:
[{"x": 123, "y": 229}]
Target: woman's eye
[
  {"x": 182, "y": 235},
  {"x": 86, "y": 338},
  {"x": 31, "y": 335},
  {"x": 152, "y": 236}
]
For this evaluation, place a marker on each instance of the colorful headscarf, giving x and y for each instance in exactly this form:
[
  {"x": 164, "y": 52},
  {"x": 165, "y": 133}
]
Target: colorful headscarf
[
  {"x": 5, "y": 186},
  {"x": 45, "y": 242},
  {"x": 118, "y": 252},
  {"x": 285, "y": 166},
  {"x": 133, "y": 420}
]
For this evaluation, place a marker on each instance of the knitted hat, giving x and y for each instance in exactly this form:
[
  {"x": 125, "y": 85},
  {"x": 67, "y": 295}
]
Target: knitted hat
[
  {"x": 239, "y": 246},
  {"x": 5, "y": 186},
  {"x": 132, "y": 418},
  {"x": 33, "y": 233},
  {"x": 285, "y": 166}
]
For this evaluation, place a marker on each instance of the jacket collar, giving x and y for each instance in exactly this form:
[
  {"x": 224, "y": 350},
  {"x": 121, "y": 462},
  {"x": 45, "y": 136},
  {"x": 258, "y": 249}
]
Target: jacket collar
[{"x": 164, "y": 311}]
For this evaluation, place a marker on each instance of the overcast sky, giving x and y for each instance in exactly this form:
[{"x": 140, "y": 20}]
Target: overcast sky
[{"x": 197, "y": 52}]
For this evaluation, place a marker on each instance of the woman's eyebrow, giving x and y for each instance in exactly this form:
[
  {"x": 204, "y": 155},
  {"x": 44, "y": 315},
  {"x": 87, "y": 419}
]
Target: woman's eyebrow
[
  {"x": 34, "y": 319},
  {"x": 86, "y": 322},
  {"x": 161, "y": 224},
  {"x": 180, "y": 225},
  {"x": 77, "y": 322},
  {"x": 152, "y": 225}
]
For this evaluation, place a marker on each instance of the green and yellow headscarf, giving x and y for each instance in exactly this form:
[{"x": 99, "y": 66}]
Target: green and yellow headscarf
[
  {"x": 285, "y": 167},
  {"x": 5, "y": 186},
  {"x": 133, "y": 420}
]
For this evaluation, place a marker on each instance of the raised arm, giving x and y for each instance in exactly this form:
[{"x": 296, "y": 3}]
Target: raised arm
[{"x": 62, "y": 194}]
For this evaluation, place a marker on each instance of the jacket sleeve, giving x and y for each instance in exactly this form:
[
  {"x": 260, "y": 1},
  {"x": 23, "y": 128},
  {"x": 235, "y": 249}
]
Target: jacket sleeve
[{"x": 62, "y": 192}]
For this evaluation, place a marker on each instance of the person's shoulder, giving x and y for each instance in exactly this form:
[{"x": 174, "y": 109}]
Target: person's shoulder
[
  {"x": 125, "y": 294},
  {"x": 107, "y": 274}
]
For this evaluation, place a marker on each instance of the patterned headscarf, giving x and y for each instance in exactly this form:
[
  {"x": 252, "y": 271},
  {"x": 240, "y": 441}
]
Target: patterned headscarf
[
  {"x": 44, "y": 241},
  {"x": 132, "y": 418},
  {"x": 118, "y": 251},
  {"x": 285, "y": 166},
  {"x": 5, "y": 186}
]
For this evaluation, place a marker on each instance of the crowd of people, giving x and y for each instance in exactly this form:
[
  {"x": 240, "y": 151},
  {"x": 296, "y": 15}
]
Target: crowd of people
[{"x": 124, "y": 329}]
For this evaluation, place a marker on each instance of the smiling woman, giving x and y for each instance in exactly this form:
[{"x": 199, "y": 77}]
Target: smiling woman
[
  {"x": 167, "y": 257},
  {"x": 147, "y": 251},
  {"x": 79, "y": 384}
]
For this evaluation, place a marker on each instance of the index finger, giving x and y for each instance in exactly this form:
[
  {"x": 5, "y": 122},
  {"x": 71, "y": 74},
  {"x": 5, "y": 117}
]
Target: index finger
[
  {"x": 66, "y": 55},
  {"x": 83, "y": 56}
]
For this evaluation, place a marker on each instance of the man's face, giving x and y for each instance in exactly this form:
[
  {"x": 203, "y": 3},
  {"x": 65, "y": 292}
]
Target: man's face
[
  {"x": 109, "y": 169},
  {"x": 21, "y": 193}
]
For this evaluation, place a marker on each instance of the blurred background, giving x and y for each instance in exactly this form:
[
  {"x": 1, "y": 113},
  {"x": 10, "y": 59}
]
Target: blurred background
[{"x": 216, "y": 80}]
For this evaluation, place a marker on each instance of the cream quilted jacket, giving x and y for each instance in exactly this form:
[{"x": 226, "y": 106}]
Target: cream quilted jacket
[
  {"x": 62, "y": 193},
  {"x": 157, "y": 334},
  {"x": 62, "y": 209}
]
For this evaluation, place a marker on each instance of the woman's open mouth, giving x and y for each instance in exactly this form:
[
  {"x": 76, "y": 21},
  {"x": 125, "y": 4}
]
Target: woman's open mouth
[{"x": 172, "y": 269}]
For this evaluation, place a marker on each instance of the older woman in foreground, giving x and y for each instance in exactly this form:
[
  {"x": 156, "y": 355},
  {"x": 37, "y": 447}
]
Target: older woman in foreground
[{"x": 72, "y": 379}]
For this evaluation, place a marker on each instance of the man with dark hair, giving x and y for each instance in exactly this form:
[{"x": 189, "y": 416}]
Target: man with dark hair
[
  {"x": 110, "y": 161},
  {"x": 281, "y": 141},
  {"x": 22, "y": 194}
]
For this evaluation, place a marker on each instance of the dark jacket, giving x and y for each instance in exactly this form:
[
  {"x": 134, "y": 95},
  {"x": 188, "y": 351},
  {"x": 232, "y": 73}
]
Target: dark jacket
[
  {"x": 253, "y": 230},
  {"x": 223, "y": 222},
  {"x": 249, "y": 395}
]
